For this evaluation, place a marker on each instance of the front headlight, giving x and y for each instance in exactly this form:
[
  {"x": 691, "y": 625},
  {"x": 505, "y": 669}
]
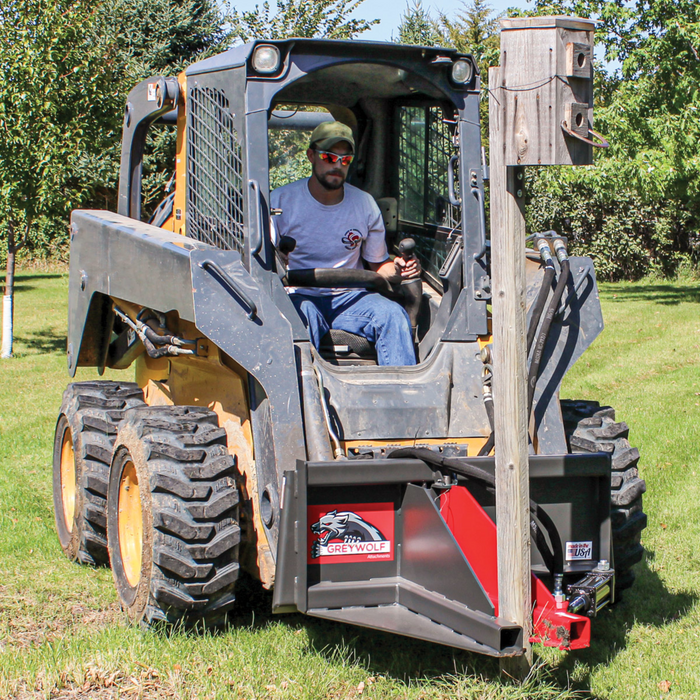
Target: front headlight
[
  {"x": 462, "y": 72},
  {"x": 266, "y": 59}
]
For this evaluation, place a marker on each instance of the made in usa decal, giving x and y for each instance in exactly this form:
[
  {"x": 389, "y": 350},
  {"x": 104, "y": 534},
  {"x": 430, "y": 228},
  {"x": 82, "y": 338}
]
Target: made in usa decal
[{"x": 579, "y": 551}]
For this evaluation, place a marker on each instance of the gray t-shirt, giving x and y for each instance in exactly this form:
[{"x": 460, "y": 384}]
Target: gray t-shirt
[{"x": 336, "y": 236}]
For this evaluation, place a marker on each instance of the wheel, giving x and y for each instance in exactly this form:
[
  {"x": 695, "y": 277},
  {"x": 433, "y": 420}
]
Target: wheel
[
  {"x": 172, "y": 522},
  {"x": 85, "y": 433},
  {"x": 591, "y": 427}
]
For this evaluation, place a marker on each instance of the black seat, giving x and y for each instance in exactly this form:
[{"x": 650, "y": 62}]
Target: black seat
[{"x": 343, "y": 348}]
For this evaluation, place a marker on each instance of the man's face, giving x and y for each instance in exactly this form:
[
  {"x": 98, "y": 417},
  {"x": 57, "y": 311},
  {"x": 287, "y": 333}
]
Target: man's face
[{"x": 330, "y": 175}]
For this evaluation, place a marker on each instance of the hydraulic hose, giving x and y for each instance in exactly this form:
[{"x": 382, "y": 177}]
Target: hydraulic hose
[
  {"x": 553, "y": 559},
  {"x": 488, "y": 445},
  {"x": 539, "y": 303},
  {"x": 173, "y": 346},
  {"x": 544, "y": 332},
  {"x": 549, "y": 273}
]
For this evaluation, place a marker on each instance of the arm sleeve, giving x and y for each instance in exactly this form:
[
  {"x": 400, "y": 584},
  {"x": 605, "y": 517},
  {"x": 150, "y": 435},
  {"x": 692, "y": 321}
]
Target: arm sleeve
[{"x": 374, "y": 248}]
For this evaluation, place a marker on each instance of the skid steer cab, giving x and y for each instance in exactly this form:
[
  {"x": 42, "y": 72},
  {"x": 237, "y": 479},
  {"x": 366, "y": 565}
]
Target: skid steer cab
[{"x": 358, "y": 492}]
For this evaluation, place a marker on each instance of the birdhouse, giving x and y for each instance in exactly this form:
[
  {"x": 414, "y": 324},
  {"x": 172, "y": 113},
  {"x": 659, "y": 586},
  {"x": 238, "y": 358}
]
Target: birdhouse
[{"x": 546, "y": 90}]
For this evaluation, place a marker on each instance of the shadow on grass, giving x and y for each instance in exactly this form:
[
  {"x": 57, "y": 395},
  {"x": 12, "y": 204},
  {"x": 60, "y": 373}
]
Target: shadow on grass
[
  {"x": 666, "y": 294},
  {"x": 43, "y": 343},
  {"x": 20, "y": 277},
  {"x": 648, "y": 602},
  {"x": 20, "y": 287}
]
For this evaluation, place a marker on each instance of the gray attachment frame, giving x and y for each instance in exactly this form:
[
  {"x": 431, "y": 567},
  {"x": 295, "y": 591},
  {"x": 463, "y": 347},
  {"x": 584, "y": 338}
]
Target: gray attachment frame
[
  {"x": 438, "y": 599},
  {"x": 429, "y": 590}
]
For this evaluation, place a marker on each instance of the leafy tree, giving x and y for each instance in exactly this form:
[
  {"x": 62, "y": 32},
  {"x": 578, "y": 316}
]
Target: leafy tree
[
  {"x": 67, "y": 68},
  {"x": 151, "y": 37},
  {"x": 53, "y": 84},
  {"x": 638, "y": 210},
  {"x": 330, "y": 19}
]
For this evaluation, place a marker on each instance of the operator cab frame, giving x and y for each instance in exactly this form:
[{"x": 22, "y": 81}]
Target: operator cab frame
[
  {"x": 415, "y": 112},
  {"x": 397, "y": 99}
]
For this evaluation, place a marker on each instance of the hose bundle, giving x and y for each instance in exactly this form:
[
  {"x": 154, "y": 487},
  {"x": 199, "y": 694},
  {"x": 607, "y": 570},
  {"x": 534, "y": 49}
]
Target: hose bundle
[{"x": 553, "y": 558}]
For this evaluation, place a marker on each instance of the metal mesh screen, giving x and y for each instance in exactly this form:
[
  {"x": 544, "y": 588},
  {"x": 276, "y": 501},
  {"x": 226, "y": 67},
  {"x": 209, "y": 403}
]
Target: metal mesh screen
[
  {"x": 214, "y": 171},
  {"x": 425, "y": 148},
  {"x": 440, "y": 150},
  {"x": 412, "y": 164}
]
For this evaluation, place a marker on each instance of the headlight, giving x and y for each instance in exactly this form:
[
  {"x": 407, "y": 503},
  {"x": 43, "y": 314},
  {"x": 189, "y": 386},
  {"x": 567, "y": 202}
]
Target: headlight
[
  {"x": 461, "y": 72},
  {"x": 266, "y": 59}
]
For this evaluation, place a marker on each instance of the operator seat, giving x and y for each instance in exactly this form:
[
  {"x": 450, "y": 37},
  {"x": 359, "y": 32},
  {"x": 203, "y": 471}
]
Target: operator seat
[{"x": 342, "y": 348}]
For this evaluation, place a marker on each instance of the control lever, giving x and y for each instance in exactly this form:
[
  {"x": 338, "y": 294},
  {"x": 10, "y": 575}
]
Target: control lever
[
  {"x": 285, "y": 246},
  {"x": 412, "y": 289}
]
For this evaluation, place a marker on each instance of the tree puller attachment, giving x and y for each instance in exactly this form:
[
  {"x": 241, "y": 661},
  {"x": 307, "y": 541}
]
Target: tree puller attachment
[{"x": 356, "y": 491}]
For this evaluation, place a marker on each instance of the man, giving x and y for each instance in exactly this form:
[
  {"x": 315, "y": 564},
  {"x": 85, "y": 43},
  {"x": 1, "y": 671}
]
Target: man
[{"x": 336, "y": 225}]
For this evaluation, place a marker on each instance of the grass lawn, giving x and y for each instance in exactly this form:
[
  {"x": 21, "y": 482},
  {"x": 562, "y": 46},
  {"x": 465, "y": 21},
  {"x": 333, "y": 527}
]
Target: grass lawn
[{"x": 63, "y": 635}]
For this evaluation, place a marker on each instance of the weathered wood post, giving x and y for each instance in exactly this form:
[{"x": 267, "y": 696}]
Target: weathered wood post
[{"x": 540, "y": 113}]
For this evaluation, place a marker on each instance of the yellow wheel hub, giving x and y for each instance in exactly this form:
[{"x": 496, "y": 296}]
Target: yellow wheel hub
[
  {"x": 68, "y": 479},
  {"x": 130, "y": 523}
]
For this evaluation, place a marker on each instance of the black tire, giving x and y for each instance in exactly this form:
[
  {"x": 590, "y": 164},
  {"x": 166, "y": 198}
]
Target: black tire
[
  {"x": 591, "y": 427},
  {"x": 187, "y": 565},
  {"x": 87, "y": 427}
]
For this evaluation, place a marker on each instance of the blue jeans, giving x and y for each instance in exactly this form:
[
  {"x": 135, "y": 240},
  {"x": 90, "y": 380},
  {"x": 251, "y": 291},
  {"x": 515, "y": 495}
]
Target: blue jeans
[{"x": 376, "y": 318}]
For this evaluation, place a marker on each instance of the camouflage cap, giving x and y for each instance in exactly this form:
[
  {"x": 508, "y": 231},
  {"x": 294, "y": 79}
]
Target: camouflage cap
[{"x": 327, "y": 134}]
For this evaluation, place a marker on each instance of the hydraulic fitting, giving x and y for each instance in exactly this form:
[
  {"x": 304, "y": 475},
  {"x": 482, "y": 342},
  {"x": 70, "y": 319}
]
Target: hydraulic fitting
[
  {"x": 560, "y": 249},
  {"x": 559, "y": 597},
  {"x": 545, "y": 252}
]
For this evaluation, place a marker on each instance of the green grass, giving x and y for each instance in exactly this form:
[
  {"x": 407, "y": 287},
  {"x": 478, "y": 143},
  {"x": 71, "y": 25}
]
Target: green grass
[{"x": 62, "y": 634}]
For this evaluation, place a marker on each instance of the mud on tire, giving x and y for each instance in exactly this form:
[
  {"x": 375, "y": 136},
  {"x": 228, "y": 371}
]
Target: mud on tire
[
  {"x": 85, "y": 432},
  {"x": 591, "y": 427},
  {"x": 175, "y": 458}
]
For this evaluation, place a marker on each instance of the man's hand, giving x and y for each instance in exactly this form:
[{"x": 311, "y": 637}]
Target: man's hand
[
  {"x": 407, "y": 269},
  {"x": 398, "y": 269}
]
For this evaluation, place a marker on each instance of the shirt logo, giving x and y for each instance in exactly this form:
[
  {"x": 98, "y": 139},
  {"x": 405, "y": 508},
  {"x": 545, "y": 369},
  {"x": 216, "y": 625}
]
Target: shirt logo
[{"x": 352, "y": 239}]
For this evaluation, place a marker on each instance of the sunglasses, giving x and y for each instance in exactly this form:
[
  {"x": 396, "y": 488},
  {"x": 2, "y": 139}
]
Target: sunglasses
[{"x": 333, "y": 158}]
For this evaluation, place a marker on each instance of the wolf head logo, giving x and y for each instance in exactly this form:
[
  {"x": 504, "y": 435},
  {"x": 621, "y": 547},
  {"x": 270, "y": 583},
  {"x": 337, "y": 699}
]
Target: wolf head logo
[{"x": 346, "y": 526}]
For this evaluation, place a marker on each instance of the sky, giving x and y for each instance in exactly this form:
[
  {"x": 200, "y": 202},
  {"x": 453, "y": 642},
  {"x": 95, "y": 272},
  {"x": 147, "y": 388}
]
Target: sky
[{"x": 389, "y": 12}]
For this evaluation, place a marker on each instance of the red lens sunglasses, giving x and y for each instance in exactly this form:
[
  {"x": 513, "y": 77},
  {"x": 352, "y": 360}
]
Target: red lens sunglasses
[{"x": 333, "y": 158}]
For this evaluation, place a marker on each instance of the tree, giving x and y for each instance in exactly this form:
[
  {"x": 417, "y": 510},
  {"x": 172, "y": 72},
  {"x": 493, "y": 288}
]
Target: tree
[
  {"x": 151, "y": 37},
  {"x": 53, "y": 84},
  {"x": 474, "y": 30},
  {"x": 67, "y": 69},
  {"x": 638, "y": 210},
  {"x": 329, "y": 19},
  {"x": 418, "y": 28}
]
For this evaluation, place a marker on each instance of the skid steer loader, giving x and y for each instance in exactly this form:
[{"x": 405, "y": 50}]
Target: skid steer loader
[{"x": 357, "y": 492}]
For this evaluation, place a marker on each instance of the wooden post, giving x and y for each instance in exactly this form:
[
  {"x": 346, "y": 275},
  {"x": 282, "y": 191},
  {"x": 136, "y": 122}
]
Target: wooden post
[
  {"x": 509, "y": 382},
  {"x": 540, "y": 113}
]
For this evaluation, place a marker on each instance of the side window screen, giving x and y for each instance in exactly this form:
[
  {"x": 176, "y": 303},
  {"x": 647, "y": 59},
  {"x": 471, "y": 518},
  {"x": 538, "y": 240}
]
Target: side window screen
[
  {"x": 425, "y": 214},
  {"x": 412, "y": 164}
]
